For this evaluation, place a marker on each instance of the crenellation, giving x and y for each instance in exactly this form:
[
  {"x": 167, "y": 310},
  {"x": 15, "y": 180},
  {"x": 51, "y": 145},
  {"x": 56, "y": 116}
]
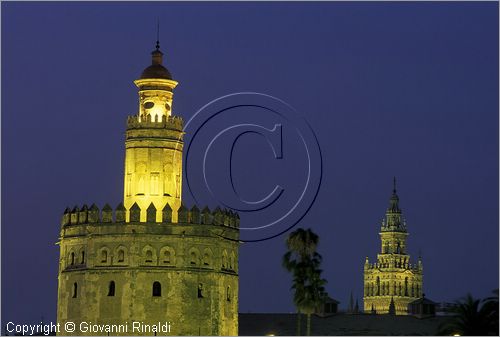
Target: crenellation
[
  {"x": 206, "y": 216},
  {"x": 107, "y": 214},
  {"x": 151, "y": 213},
  {"x": 93, "y": 214},
  {"x": 66, "y": 218},
  {"x": 194, "y": 215},
  {"x": 166, "y": 122},
  {"x": 86, "y": 215},
  {"x": 82, "y": 215},
  {"x": 120, "y": 213},
  {"x": 167, "y": 213},
  {"x": 74, "y": 215},
  {"x": 135, "y": 213},
  {"x": 218, "y": 216},
  {"x": 183, "y": 214}
]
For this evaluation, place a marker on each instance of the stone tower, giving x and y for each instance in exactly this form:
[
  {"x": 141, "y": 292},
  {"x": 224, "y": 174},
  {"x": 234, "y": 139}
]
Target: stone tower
[
  {"x": 151, "y": 260},
  {"x": 392, "y": 280}
]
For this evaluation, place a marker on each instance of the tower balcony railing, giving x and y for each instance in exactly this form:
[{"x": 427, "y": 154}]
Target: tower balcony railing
[{"x": 165, "y": 122}]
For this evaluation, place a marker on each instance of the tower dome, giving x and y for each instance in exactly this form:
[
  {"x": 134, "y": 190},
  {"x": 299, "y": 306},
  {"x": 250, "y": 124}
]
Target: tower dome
[{"x": 156, "y": 69}]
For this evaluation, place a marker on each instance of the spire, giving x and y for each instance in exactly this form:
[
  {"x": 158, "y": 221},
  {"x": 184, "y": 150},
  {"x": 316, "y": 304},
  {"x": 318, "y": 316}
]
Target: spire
[
  {"x": 157, "y": 54},
  {"x": 394, "y": 201},
  {"x": 158, "y": 35}
]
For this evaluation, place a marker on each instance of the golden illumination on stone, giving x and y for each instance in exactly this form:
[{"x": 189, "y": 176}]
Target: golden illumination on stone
[
  {"x": 151, "y": 261},
  {"x": 392, "y": 277}
]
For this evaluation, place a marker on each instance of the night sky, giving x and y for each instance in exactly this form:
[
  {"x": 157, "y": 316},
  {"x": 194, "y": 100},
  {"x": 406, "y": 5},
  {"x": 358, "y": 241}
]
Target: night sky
[{"x": 390, "y": 89}]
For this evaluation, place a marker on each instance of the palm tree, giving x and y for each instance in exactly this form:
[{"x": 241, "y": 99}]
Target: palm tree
[
  {"x": 303, "y": 262},
  {"x": 474, "y": 317}
]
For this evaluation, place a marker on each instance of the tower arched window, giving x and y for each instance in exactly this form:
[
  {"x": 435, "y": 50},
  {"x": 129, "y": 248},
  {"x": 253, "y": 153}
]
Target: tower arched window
[
  {"x": 82, "y": 261},
  {"x": 75, "y": 290},
  {"x": 121, "y": 255},
  {"x": 149, "y": 256},
  {"x": 104, "y": 256},
  {"x": 398, "y": 248},
  {"x": 72, "y": 258},
  {"x": 406, "y": 286},
  {"x": 194, "y": 258},
  {"x": 228, "y": 294},
  {"x": 378, "y": 286},
  {"x": 111, "y": 288},
  {"x": 166, "y": 256},
  {"x": 156, "y": 289}
]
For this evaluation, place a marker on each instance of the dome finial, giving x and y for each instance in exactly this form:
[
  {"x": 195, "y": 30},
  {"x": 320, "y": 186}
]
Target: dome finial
[
  {"x": 158, "y": 34},
  {"x": 394, "y": 185}
]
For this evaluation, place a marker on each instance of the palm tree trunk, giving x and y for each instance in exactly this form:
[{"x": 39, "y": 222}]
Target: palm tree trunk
[
  {"x": 308, "y": 325},
  {"x": 299, "y": 315}
]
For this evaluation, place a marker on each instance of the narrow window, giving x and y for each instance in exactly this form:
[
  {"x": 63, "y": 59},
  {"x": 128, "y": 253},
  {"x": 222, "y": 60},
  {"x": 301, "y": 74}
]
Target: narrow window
[
  {"x": 406, "y": 286},
  {"x": 75, "y": 290},
  {"x": 83, "y": 257},
  {"x": 111, "y": 290},
  {"x": 72, "y": 258},
  {"x": 166, "y": 257},
  {"x": 193, "y": 258},
  {"x": 228, "y": 294},
  {"x": 104, "y": 256},
  {"x": 224, "y": 260},
  {"x": 177, "y": 185},
  {"x": 200, "y": 290},
  {"x": 156, "y": 289},
  {"x": 140, "y": 187},
  {"x": 149, "y": 256},
  {"x": 155, "y": 178},
  {"x": 129, "y": 183},
  {"x": 121, "y": 255},
  {"x": 206, "y": 259}
]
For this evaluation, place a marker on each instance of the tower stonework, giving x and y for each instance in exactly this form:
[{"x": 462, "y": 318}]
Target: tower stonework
[
  {"x": 150, "y": 260},
  {"x": 392, "y": 281}
]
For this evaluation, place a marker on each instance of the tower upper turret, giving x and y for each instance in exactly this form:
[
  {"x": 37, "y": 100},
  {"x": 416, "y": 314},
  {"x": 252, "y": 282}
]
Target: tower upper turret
[
  {"x": 155, "y": 88},
  {"x": 393, "y": 216}
]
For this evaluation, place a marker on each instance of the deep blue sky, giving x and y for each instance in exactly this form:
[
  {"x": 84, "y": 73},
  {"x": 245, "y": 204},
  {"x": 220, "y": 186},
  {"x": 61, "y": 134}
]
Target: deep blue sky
[{"x": 405, "y": 89}]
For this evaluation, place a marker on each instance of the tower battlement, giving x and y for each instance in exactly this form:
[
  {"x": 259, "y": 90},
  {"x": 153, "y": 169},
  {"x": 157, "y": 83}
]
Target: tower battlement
[
  {"x": 86, "y": 215},
  {"x": 148, "y": 122}
]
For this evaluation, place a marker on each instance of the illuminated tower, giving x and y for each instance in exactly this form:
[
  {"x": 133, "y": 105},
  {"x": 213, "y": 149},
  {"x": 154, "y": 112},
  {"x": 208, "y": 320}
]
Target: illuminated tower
[
  {"x": 151, "y": 260},
  {"x": 153, "y": 155},
  {"x": 392, "y": 278}
]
